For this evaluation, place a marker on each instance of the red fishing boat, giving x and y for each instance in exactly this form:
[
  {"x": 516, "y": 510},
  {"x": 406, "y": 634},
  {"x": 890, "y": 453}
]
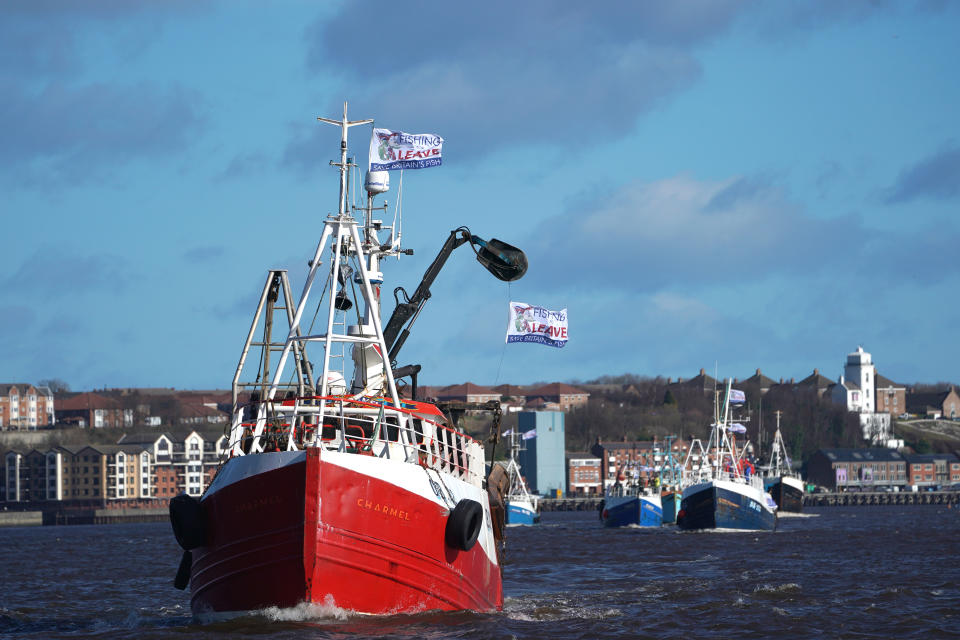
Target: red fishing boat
[{"x": 337, "y": 488}]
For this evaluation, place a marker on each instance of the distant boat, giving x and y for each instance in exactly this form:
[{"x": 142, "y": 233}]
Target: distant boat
[
  {"x": 779, "y": 479},
  {"x": 671, "y": 483},
  {"x": 628, "y": 502},
  {"x": 722, "y": 492},
  {"x": 522, "y": 506}
]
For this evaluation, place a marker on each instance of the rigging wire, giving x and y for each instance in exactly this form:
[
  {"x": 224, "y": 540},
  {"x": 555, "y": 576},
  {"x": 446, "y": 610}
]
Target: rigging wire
[{"x": 496, "y": 380}]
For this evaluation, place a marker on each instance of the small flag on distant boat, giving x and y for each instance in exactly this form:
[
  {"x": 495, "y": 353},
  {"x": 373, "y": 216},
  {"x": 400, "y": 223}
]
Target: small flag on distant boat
[
  {"x": 530, "y": 434},
  {"x": 395, "y": 150},
  {"x": 530, "y": 323},
  {"x": 737, "y": 396},
  {"x": 507, "y": 432},
  {"x": 736, "y": 427}
]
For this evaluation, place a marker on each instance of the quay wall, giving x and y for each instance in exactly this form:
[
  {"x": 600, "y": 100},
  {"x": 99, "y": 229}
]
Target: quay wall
[
  {"x": 65, "y": 516},
  {"x": 20, "y": 518}
]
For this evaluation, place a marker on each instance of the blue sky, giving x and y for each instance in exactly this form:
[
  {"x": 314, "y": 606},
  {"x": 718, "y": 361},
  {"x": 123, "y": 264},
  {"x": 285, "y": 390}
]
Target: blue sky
[{"x": 718, "y": 184}]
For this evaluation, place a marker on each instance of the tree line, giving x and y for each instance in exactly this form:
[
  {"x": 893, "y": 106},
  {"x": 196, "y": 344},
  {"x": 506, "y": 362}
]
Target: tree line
[{"x": 641, "y": 408}]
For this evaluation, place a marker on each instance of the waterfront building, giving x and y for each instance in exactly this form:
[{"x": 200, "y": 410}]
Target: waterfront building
[
  {"x": 932, "y": 470},
  {"x": 181, "y": 465},
  {"x": 542, "y": 461},
  {"x": 14, "y": 474},
  {"x": 584, "y": 477},
  {"x": 107, "y": 472},
  {"x": 25, "y": 407},
  {"x": 858, "y": 469},
  {"x": 141, "y": 467}
]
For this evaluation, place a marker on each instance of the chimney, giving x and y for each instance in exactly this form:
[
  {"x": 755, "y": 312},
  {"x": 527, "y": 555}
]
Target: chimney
[
  {"x": 758, "y": 371},
  {"x": 816, "y": 372},
  {"x": 702, "y": 372}
]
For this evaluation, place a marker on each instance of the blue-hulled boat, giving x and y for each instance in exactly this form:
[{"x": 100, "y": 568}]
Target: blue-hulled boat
[
  {"x": 522, "y": 512},
  {"x": 628, "y": 502},
  {"x": 722, "y": 493},
  {"x": 624, "y": 510},
  {"x": 522, "y": 506}
]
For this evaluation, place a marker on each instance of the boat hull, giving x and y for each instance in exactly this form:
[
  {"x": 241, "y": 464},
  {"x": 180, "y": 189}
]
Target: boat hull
[
  {"x": 623, "y": 511},
  {"x": 670, "y": 505},
  {"x": 521, "y": 512},
  {"x": 718, "y": 504},
  {"x": 325, "y": 527},
  {"x": 787, "y": 492}
]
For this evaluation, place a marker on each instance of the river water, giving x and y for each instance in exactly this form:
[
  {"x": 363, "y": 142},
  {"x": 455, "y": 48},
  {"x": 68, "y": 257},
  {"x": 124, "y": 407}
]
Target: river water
[{"x": 833, "y": 572}]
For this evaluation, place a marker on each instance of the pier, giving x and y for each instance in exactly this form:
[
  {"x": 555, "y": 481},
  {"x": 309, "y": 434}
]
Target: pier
[
  {"x": 570, "y": 504},
  {"x": 878, "y": 498}
]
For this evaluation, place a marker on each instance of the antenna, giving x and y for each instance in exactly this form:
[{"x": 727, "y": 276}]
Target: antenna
[{"x": 344, "y": 125}]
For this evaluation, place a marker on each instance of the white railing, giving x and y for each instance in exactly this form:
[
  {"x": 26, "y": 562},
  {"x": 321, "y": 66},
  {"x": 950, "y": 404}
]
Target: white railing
[{"x": 360, "y": 427}]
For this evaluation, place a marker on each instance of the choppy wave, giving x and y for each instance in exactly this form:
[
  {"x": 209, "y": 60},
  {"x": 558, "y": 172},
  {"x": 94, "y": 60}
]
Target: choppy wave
[{"x": 828, "y": 573}]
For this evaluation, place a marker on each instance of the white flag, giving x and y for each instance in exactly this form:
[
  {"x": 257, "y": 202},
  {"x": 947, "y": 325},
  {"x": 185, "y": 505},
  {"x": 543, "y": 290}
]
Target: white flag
[
  {"x": 530, "y": 434},
  {"x": 530, "y": 323},
  {"x": 390, "y": 150}
]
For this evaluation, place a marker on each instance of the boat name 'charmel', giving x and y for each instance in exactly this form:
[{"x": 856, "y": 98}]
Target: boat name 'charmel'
[
  {"x": 382, "y": 508},
  {"x": 257, "y": 503}
]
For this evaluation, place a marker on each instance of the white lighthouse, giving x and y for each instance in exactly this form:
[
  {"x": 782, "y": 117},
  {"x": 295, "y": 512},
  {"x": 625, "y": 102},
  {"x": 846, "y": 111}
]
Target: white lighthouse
[
  {"x": 857, "y": 390},
  {"x": 860, "y": 371}
]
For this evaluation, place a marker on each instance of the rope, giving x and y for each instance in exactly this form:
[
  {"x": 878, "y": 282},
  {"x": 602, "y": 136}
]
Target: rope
[{"x": 496, "y": 380}]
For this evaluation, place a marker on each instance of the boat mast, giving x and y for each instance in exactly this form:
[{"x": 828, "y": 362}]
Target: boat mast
[
  {"x": 777, "y": 450},
  {"x": 344, "y": 125}
]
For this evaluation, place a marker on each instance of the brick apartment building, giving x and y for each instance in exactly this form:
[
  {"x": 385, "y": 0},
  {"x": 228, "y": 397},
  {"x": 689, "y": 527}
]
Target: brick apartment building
[
  {"x": 137, "y": 469},
  {"x": 858, "y": 469},
  {"x": 932, "y": 470},
  {"x": 584, "y": 477},
  {"x": 25, "y": 407}
]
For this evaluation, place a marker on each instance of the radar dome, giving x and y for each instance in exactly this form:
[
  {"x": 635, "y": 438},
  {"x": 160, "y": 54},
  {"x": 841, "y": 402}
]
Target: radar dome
[{"x": 377, "y": 182}]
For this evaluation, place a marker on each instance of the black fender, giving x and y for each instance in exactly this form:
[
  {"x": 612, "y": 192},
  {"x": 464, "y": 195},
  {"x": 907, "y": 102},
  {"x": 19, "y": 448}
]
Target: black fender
[
  {"x": 182, "y": 578},
  {"x": 464, "y": 524},
  {"x": 188, "y": 521}
]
